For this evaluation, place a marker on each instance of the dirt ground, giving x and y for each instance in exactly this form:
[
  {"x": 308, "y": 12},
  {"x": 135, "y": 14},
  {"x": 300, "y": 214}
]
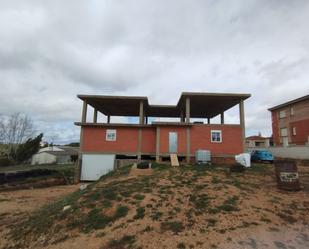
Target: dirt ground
[
  {"x": 18, "y": 204},
  {"x": 264, "y": 217}
]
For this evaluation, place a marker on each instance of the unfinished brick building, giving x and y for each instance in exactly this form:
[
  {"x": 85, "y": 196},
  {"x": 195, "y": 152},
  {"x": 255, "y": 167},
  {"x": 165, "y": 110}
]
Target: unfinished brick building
[{"x": 157, "y": 140}]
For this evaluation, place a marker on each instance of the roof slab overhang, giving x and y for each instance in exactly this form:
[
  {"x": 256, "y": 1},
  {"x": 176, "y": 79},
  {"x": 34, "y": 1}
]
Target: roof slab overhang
[{"x": 202, "y": 105}]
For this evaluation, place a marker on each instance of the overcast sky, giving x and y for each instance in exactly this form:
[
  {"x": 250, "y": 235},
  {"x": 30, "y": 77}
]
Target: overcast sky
[{"x": 50, "y": 51}]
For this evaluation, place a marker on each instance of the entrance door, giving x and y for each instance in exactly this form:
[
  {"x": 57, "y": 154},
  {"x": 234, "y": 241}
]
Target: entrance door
[{"x": 172, "y": 142}]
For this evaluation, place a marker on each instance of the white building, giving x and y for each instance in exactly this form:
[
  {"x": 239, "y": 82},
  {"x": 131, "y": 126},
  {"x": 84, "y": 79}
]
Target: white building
[{"x": 55, "y": 155}]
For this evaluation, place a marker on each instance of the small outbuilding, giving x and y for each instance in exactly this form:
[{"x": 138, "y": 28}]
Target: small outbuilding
[{"x": 55, "y": 155}]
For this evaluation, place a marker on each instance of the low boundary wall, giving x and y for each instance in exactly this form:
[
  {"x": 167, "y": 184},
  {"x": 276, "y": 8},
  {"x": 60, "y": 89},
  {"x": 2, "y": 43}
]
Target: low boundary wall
[{"x": 293, "y": 152}]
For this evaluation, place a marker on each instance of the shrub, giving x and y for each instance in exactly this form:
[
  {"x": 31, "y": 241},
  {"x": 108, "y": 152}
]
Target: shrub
[
  {"x": 143, "y": 165},
  {"x": 140, "y": 213},
  {"x": 4, "y": 161},
  {"x": 121, "y": 211},
  {"x": 139, "y": 197},
  {"x": 125, "y": 240},
  {"x": 237, "y": 168},
  {"x": 174, "y": 226}
]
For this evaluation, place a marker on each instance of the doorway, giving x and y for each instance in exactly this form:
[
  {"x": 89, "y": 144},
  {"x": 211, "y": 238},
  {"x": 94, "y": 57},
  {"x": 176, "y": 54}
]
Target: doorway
[{"x": 172, "y": 142}]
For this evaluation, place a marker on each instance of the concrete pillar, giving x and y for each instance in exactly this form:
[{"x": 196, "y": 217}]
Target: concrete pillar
[
  {"x": 78, "y": 165},
  {"x": 108, "y": 119},
  {"x": 188, "y": 145},
  {"x": 208, "y": 120},
  {"x": 84, "y": 113},
  {"x": 139, "y": 145},
  {"x": 242, "y": 122},
  {"x": 187, "y": 110},
  {"x": 267, "y": 142},
  {"x": 141, "y": 112},
  {"x": 182, "y": 116},
  {"x": 95, "y": 116},
  {"x": 158, "y": 144},
  {"x": 222, "y": 117}
]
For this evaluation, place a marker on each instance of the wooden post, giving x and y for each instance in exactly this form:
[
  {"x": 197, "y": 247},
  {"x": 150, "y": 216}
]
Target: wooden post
[
  {"x": 95, "y": 116},
  {"x": 158, "y": 144},
  {"x": 208, "y": 120},
  {"x": 84, "y": 114},
  {"x": 146, "y": 119},
  {"x": 242, "y": 122},
  {"x": 108, "y": 119},
  {"x": 188, "y": 110},
  {"x": 222, "y": 117},
  {"x": 141, "y": 112}
]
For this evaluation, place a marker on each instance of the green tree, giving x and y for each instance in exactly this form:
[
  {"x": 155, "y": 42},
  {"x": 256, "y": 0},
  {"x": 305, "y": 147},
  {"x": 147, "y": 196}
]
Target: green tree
[{"x": 27, "y": 149}]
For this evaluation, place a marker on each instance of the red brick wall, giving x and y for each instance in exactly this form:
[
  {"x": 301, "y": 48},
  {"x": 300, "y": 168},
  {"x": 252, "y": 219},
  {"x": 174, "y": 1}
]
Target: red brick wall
[
  {"x": 275, "y": 127},
  {"x": 181, "y": 136},
  {"x": 94, "y": 140},
  {"x": 302, "y": 132},
  {"x": 127, "y": 139},
  {"x": 231, "y": 139},
  {"x": 149, "y": 140}
]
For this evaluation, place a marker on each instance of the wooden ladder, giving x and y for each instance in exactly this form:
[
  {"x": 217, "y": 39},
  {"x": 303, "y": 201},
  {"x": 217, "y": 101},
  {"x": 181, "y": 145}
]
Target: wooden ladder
[{"x": 174, "y": 160}]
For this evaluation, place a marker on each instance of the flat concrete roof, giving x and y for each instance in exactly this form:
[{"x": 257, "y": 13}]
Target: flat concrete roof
[
  {"x": 202, "y": 104},
  {"x": 306, "y": 97}
]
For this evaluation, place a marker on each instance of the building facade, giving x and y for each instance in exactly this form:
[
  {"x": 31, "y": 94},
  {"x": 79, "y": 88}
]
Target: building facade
[
  {"x": 290, "y": 122},
  {"x": 258, "y": 142},
  {"x": 150, "y": 138}
]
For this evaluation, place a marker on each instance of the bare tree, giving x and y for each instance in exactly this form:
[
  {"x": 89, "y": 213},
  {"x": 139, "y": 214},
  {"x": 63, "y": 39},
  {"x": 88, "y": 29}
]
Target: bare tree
[
  {"x": 15, "y": 129},
  {"x": 1, "y": 130}
]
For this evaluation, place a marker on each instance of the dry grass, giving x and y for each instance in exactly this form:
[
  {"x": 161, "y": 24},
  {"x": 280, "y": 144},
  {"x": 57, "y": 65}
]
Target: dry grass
[{"x": 186, "y": 207}]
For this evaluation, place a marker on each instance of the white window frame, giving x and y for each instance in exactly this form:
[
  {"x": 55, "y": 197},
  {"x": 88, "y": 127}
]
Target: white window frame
[
  {"x": 282, "y": 114},
  {"x": 216, "y": 131},
  {"x": 111, "y": 132},
  {"x": 294, "y": 131},
  {"x": 283, "y": 134}
]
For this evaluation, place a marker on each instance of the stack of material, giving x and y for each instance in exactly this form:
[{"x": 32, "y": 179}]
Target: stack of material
[{"x": 174, "y": 160}]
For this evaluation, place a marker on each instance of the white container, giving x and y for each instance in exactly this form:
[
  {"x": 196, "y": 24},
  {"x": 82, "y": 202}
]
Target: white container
[{"x": 202, "y": 156}]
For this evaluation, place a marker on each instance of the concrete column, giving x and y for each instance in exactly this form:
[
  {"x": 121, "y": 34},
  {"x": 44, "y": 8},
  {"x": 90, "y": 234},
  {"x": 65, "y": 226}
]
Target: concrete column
[
  {"x": 158, "y": 144},
  {"x": 222, "y": 117},
  {"x": 242, "y": 122},
  {"x": 208, "y": 120},
  {"x": 188, "y": 145},
  {"x": 108, "y": 119},
  {"x": 78, "y": 165},
  {"x": 267, "y": 142},
  {"x": 84, "y": 114},
  {"x": 187, "y": 110},
  {"x": 141, "y": 112},
  {"x": 182, "y": 117},
  {"x": 95, "y": 116},
  {"x": 139, "y": 145}
]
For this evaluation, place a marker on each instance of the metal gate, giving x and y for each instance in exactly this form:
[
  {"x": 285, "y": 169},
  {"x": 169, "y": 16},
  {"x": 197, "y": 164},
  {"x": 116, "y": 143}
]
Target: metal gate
[{"x": 172, "y": 142}]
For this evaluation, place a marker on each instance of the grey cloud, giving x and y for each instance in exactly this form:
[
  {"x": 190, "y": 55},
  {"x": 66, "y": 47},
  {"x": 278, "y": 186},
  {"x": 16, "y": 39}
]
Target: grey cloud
[{"x": 52, "y": 50}]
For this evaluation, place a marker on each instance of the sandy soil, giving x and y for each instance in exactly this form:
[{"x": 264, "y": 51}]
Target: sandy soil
[
  {"x": 15, "y": 205},
  {"x": 255, "y": 225}
]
